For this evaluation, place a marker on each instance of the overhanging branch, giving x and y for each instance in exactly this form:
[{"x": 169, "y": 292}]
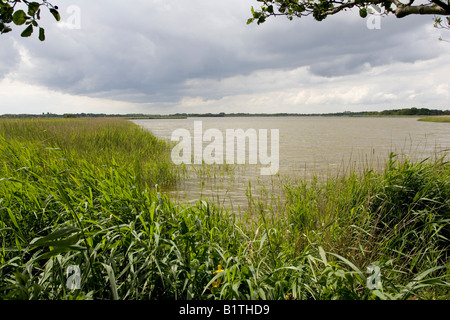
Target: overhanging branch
[
  {"x": 441, "y": 4},
  {"x": 320, "y": 9},
  {"x": 436, "y": 7},
  {"x": 405, "y": 10}
]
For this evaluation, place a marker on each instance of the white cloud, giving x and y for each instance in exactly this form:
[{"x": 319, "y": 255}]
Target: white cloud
[
  {"x": 18, "y": 97},
  {"x": 399, "y": 85}
]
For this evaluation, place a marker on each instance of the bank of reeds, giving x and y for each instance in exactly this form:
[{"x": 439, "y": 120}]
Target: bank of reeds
[
  {"x": 103, "y": 142},
  {"x": 79, "y": 193},
  {"x": 436, "y": 119}
]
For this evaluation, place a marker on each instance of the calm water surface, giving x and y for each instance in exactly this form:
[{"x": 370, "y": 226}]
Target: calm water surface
[{"x": 321, "y": 146}]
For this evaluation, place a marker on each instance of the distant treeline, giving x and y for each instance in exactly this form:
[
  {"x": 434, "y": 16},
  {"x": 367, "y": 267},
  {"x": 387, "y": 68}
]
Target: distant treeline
[
  {"x": 394, "y": 112},
  {"x": 408, "y": 112}
]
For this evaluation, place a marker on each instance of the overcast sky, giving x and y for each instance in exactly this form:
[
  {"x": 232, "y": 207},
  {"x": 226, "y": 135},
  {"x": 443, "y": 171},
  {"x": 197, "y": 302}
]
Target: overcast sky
[{"x": 199, "y": 56}]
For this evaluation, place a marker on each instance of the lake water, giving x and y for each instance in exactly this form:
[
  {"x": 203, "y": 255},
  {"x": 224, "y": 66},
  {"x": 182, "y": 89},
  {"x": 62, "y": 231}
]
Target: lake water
[{"x": 308, "y": 146}]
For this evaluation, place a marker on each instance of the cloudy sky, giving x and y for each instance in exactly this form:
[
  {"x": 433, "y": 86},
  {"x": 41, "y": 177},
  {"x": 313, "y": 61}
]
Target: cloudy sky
[{"x": 169, "y": 56}]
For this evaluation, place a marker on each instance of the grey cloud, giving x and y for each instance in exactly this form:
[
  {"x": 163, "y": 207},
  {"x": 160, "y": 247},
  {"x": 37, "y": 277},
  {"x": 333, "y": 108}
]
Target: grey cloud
[
  {"x": 336, "y": 47},
  {"x": 146, "y": 52},
  {"x": 9, "y": 56}
]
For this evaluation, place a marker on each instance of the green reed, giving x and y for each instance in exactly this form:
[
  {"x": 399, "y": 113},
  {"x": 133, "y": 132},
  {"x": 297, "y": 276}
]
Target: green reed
[
  {"x": 436, "y": 119},
  {"x": 80, "y": 192}
]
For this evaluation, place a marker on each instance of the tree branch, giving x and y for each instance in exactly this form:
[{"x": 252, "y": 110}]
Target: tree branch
[
  {"x": 441, "y": 4},
  {"x": 405, "y": 10},
  {"x": 320, "y": 9},
  {"x": 438, "y": 7},
  {"x": 340, "y": 8}
]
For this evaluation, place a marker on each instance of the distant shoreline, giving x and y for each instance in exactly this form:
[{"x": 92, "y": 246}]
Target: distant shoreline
[
  {"x": 408, "y": 112},
  {"x": 155, "y": 117}
]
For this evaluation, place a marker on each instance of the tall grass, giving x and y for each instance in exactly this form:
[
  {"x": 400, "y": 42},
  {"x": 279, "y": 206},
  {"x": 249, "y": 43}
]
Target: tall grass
[
  {"x": 79, "y": 194},
  {"x": 99, "y": 141},
  {"x": 436, "y": 119}
]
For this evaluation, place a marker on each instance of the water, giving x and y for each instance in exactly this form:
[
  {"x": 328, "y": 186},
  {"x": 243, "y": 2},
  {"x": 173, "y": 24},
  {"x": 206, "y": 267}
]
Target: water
[{"x": 308, "y": 146}]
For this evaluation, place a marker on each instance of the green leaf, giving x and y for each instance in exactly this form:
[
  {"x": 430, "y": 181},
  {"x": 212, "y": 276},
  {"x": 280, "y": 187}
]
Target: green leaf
[
  {"x": 19, "y": 17},
  {"x": 61, "y": 243},
  {"x": 351, "y": 265},
  {"x": 112, "y": 281},
  {"x": 13, "y": 218},
  {"x": 218, "y": 275},
  {"x": 33, "y": 7},
  {"x": 49, "y": 240},
  {"x": 57, "y": 251},
  {"x": 21, "y": 278},
  {"x": 28, "y": 31},
  {"x": 41, "y": 34},
  {"x": 4, "y": 28},
  {"x": 263, "y": 239},
  {"x": 55, "y": 13},
  {"x": 323, "y": 255},
  {"x": 363, "y": 12}
]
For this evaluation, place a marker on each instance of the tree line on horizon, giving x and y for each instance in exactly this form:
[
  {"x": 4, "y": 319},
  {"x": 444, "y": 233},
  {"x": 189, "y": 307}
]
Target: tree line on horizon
[{"x": 392, "y": 112}]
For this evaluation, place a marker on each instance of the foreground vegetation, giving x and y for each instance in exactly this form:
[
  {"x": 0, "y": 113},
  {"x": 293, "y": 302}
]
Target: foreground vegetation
[{"x": 77, "y": 192}]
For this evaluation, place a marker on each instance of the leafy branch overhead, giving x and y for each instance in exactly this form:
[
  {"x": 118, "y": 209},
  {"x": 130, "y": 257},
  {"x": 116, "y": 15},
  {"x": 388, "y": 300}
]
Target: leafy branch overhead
[
  {"x": 320, "y": 9},
  {"x": 24, "y": 13}
]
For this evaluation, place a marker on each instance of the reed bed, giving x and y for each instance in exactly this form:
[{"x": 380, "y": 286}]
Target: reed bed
[
  {"x": 77, "y": 192},
  {"x": 436, "y": 119}
]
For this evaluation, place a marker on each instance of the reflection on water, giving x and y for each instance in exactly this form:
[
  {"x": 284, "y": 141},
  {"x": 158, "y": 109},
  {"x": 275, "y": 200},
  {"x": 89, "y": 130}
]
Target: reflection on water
[{"x": 308, "y": 146}]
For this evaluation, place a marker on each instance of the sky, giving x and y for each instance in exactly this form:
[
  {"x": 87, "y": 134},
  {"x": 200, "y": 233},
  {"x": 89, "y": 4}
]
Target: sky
[{"x": 200, "y": 56}]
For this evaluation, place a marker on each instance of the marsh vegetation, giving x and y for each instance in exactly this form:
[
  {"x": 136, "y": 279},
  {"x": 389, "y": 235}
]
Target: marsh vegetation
[{"x": 88, "y": 192}]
